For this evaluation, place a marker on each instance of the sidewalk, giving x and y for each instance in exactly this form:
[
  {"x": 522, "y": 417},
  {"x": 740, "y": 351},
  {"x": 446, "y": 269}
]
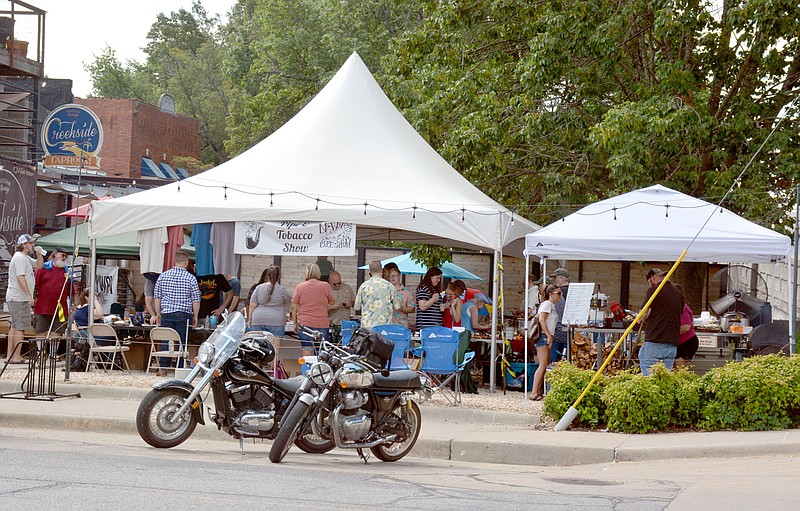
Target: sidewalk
[{"x": 447, "y": 433}]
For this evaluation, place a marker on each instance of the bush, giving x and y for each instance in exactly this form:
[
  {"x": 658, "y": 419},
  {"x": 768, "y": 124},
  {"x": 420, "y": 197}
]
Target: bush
[
  {"x": 640, "y": 404},
  {"x": 689, "y": 395},
  {"x": 759, "y": 393},
  {"x": 567, "y": 382}
]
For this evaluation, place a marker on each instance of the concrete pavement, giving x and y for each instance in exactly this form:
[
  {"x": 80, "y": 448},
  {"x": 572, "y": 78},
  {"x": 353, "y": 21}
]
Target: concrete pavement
[{"x": 447, "y": 433}]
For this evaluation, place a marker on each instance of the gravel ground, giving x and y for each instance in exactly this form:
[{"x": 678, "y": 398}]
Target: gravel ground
[{"x": 512, "y": 401}]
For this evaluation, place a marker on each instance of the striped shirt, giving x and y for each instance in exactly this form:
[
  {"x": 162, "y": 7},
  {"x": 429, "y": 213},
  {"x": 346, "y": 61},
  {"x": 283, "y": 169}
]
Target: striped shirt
[
  {"x": 177, "y": 289},
  {"x": 431, "y": 316}
]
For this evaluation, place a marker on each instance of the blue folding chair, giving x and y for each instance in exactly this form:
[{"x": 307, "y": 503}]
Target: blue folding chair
[
  {"x": 401, "y": 336},
  {"x": 348, "y": 329},
  {"x": 440, "y": 347}
]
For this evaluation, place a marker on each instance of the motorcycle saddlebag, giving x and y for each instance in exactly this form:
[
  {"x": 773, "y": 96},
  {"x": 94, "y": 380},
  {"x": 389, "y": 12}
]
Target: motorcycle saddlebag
[{"x": 371, "y": 345}]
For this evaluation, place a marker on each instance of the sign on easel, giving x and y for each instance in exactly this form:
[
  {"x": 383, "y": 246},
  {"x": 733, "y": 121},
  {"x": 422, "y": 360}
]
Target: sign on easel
[{"x": 579, "y": 298}]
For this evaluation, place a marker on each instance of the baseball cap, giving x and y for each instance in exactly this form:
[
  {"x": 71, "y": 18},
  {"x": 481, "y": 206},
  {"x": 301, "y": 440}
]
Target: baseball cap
[
  {"x": 482, "y": 297},
  {"x": 655, "y": 272},
  {"x": 560, "y": 272},
  {"x": 542, "y": 279},
  {"x": 62, "y": 250},
  {"x": 25, "y": 238}
]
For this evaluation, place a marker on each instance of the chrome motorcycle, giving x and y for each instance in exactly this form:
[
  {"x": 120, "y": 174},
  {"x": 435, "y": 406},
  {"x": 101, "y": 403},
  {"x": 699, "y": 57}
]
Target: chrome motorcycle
[
  {"x": 346, "y": 397},
  {"x": 248, "y": 402}
]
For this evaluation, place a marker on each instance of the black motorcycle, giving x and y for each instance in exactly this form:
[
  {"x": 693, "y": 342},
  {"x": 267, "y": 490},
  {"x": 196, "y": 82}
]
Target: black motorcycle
[
  {"x": 248, "y": 402},
  {"x": 346, "y": 397}
]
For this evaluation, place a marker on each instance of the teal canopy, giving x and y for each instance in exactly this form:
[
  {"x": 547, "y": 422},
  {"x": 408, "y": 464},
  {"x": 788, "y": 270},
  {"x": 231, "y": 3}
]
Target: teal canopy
[
  {"x": 409, "y": 266},
  {"x": 117, "y": 245}
]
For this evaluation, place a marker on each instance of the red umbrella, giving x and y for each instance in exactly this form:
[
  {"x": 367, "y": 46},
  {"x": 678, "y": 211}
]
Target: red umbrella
[{"x": 82, "y": 210}]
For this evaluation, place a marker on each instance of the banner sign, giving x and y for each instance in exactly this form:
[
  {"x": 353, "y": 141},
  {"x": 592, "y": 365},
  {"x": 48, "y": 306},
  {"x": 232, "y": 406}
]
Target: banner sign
[
  {"x": 295, "y": 238},
  {"x": 72, "y": 137},
  {"x": 17, "y": 192},
  {"x": 106, "y": 286}
]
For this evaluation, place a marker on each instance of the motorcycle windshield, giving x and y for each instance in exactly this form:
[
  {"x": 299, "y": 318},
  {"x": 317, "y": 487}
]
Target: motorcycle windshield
[{"x": 227, "y": 337}]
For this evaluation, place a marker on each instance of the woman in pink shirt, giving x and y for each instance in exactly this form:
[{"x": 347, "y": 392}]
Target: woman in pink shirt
[
  {"x": 310, "y": 306},
  {"x": 687, "y": 340}
]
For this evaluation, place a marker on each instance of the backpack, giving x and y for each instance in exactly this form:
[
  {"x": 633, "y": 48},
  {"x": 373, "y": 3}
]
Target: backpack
[{"x": 80, "y": 355}]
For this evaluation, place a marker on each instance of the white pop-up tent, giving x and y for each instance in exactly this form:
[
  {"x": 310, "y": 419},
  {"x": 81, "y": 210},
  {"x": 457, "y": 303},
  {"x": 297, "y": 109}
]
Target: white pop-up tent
[
  {"x": 347, "y": 156},
  {"x": 657, "y": 224}
]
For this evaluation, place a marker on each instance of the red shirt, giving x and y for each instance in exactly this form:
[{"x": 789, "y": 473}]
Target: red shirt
[
  {"x": 312, "y": 298},
  {"x": 49, "y": 283}
]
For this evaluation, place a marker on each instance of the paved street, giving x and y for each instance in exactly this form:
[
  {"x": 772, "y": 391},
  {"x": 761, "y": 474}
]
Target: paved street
[{"x": 70, "y": 470}]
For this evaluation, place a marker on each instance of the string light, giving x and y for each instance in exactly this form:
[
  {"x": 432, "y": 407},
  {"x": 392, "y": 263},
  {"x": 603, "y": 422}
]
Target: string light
[
  {"x": 462, "y": 214},
  {"x": 615, "y": 212},
  {"x": 414, "y": 215},
  {"x": 270, "y": 198},
  {"x": 666, "y": 206},
  {"x": 225, "y": 188},
  {"x": 316, "y": 208},
  {"x": 365, "y": 209}
]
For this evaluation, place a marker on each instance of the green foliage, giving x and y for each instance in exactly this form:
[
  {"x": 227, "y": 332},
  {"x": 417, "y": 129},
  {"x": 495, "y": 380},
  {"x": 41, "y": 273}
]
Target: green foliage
[
  {"x": 640, "y": 404},
  {"x": 567, "y": 382},
  {"x": 431, "y": 256},
  {"x": 759, "y": 393},
  {"x": 551, "y": 105}
]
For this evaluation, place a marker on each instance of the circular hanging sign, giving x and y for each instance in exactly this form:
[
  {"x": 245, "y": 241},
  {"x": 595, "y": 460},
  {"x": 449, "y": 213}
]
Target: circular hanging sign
[{"x": 72, "y": 137}]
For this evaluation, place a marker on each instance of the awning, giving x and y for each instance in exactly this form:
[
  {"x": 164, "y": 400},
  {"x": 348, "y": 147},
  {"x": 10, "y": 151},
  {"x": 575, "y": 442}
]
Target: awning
[
  {"x": 182, "y": 172},
  {"x": 408, "y": 266},
  {"x": 168, "y": 170},
  {"x": 150, "y": 169}
]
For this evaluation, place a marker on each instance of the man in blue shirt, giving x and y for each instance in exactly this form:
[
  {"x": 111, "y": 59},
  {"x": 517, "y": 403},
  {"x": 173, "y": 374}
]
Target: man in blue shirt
[{"x": 177, "y": 300}]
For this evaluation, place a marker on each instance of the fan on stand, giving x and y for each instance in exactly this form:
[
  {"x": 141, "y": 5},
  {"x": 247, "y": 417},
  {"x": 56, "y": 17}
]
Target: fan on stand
[{"x": 738, "y": 291}]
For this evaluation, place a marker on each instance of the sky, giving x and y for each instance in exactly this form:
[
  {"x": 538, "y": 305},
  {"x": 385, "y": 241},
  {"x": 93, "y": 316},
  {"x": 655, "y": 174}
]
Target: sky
[{"x": 78, "y": 30}]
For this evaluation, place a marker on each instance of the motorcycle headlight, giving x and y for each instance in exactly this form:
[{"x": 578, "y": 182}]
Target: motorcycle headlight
[
  {"x": 320, "y": 374},
  {"x": 205, "y": 353}
]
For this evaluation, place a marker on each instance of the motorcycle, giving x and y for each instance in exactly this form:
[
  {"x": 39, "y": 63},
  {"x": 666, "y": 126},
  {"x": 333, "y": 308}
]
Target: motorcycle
[
  {"x": 347, "y": 397},
  {"x": 248, "y": 402}
]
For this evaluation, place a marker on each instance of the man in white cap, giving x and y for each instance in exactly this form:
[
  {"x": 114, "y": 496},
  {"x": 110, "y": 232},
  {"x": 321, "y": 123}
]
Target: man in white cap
[{"x": 19, "y": 295}]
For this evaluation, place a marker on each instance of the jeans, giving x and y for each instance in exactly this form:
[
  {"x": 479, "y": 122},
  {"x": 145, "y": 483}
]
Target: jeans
[
  {"x": 179, "y": 322},
  {"x": 652, "y": 352},
  {"x": 278, "y": 331},
  {"x": 558, "y": 351}
]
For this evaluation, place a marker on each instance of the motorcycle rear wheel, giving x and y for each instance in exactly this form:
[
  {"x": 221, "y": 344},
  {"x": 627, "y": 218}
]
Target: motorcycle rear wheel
[
  {"x": 409, "y": 419},
  {"x": 153, "y": 418},
  {"x": 290, "y": 429}
]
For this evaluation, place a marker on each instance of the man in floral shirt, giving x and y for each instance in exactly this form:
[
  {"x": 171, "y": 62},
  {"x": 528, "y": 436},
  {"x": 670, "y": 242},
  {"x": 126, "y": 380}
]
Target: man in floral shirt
[{"x": 376, "y": 298}]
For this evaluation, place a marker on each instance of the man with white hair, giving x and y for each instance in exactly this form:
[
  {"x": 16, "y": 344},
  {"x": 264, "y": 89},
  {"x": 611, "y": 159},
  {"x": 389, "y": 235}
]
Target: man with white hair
[
  {"x": 19, "y": 295},
  {"x": 376, "y": 298},
  {"x": 52, "y": 289}
]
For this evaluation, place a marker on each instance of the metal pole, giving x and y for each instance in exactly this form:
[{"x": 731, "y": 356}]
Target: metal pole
[
  {"x": 793, "y": 287},
  {"x": 493, "y": 348},
  {"x": 71, "y": 301},
  {"x": 525, "y": 324},
  {"x": 92, "y": 290}
]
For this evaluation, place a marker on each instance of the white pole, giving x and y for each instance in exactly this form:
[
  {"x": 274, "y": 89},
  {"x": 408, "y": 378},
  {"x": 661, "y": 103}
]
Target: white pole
[
  {"x": 493, "y": 348},
  {"x": 525, "y": 325},
  {"x": 92, "y": 290}
]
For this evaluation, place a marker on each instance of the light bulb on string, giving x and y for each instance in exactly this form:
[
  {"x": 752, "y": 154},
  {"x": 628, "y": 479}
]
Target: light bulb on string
[
  {"x": 615, "y": 212},
  {"x": 666, "y": 206},
  {"x": 316, "y": 208},
  {"x": 270, "y": 198},
  {"x": 414, "y": 214},
  {"x": 462, "y": 214},
  {"x": 225, "y": 188},
  {"x": 365, "y": 209}
]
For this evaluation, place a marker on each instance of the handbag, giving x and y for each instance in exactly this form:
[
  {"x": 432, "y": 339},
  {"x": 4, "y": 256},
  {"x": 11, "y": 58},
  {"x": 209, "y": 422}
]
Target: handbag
[{"x": 534, "y": 328}]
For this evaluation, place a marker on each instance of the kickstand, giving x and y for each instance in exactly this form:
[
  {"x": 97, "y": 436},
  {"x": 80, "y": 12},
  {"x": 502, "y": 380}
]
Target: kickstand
[
  {"x": 363, "y": 456},
  {"x": 241, "y": 445}
]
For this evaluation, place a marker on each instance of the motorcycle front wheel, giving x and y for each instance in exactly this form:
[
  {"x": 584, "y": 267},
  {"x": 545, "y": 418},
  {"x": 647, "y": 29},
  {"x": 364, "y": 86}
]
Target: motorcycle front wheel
[
  {"x": 290, "y": 429},
  {"x": 406, "y": 420},
  {"x": 154, "y": 418}
]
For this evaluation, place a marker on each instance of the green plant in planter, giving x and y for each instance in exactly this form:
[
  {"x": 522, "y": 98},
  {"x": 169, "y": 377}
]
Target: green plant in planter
[
  {"x": 759, "y": 393},
  {"x": 640, "y": 404},
  {"x": 566, "y": 385}
]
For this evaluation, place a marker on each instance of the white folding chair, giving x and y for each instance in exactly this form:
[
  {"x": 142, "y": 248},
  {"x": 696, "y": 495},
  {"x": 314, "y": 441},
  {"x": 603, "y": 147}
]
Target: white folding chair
[
  {"x": 158, "y": 335},
  {"x": 103, "y": 356}
]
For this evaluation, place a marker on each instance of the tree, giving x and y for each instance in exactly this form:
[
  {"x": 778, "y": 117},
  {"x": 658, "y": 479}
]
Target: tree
[
  {"x": 282, "y": 52},
  {"x": 548, "y": 106}
]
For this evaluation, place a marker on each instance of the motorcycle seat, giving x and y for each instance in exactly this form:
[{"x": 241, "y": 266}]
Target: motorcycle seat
[
  {"x": 403, "y": 379},
  {"x": 290, "y": 385}
]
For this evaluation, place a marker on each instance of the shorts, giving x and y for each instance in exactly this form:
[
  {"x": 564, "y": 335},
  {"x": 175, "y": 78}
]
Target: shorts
[
  {"x": 688, "y": 348},
  {"x": 542, "y": 341},
  {"x": 21, "y": 315},
  {"x": 41, "y": 324}
]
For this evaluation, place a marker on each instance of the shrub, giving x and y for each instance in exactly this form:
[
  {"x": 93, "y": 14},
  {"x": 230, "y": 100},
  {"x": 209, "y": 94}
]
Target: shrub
[
  {"x": 567, "y": 382},
  {"x": 759, "y": 393},
  {"x": 688, "y": 394},
  {"x": 640, "y": 404}
]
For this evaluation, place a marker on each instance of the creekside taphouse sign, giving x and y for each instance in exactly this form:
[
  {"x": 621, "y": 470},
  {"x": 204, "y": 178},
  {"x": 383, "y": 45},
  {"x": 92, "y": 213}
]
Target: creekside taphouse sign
[
  {"x": 72, "y": 133},
  {"x": 295, "y": 238}
]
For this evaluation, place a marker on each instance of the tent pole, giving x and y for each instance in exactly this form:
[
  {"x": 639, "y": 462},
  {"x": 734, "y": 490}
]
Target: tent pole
[
  {"x": 793, "y": 277},
  {"x": 493, "y": 348},
  {"x": 525, "y": 325},
  {"x": 92, "y": 290}
]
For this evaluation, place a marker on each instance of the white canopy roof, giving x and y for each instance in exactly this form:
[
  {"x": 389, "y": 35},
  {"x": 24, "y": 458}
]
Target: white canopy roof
[
  {"x": 348, "y": 156},
  {"x": 657, "y": 224}
]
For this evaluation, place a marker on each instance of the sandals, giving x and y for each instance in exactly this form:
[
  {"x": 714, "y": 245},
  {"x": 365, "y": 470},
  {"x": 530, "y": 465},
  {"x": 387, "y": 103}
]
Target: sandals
[{"x": 536, "y": 398}]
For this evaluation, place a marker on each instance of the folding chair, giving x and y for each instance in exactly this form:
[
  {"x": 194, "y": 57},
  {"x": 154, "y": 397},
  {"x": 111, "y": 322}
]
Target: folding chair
[
  {"x": 103, "y": 356},
  {"x": 440, "y": 349},
  {"x": 401, "y": 336},
  {"x": 159, "y": 335},
  {"x": 348, "y": 328}
]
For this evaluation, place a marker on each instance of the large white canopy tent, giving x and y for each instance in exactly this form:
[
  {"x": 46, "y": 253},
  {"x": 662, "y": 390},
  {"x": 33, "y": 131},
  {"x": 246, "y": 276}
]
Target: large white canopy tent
[
  {"x": 656, "y": 224},
  {"x": 347, "y": 156}
]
